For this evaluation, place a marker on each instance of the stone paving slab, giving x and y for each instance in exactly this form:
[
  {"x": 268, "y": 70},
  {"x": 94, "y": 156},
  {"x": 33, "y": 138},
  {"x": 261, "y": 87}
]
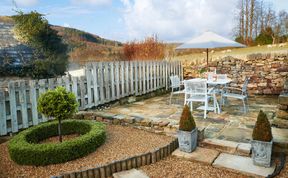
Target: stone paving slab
[
  {"x": 241, "y": 164},
  {"x": 200, "y": 154},
  {"x": 243, "y": 149},
  {"x": 132, "y": 173},
  {"x": 231, "y": 124},
  {"x": 221, "y": 145}
]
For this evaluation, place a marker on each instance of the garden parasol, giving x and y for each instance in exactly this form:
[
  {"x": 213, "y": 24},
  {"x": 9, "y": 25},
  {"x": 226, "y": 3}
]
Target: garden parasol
[{"x": 209, "y": 40}]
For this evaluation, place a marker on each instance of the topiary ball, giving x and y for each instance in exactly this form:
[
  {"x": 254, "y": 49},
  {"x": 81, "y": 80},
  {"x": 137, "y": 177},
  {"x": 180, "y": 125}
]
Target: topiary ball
[
  {"x": 262, "y": 129},
  {"x": 58, "y": 103},
  {"x": 187, "y": 122}
]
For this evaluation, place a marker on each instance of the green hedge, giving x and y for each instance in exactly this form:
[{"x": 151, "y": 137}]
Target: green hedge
[{"x": 25, "y": 149}]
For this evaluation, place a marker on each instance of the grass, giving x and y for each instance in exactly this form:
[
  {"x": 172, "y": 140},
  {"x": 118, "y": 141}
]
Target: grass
[{"x": 241, "y": 53}]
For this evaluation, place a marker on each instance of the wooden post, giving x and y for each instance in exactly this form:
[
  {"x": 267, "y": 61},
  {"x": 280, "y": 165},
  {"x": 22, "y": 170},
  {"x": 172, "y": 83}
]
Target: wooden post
[{"x": 3, "y": 125}]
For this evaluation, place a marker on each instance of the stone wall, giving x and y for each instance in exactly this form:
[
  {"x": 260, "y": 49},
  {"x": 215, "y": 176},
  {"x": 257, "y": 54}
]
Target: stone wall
[
  {"x": 10, "y": 47},
  {"x": 267, "y": 72},
  {"x": 282, "y": 113}
]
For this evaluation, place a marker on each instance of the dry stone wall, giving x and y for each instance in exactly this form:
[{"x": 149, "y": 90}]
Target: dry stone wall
[
  {"x": 267, "y": 72},
  {"x": 10, "y": 48},
  {"x": 281, "y": 119}
]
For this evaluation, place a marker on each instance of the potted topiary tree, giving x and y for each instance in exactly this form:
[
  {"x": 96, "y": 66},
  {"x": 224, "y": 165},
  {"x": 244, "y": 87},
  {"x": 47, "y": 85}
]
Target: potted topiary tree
[
  {"x": 187, "y": 133},
  {"x": 59, "y": 104},
  {"x": 262, "y": 141}
]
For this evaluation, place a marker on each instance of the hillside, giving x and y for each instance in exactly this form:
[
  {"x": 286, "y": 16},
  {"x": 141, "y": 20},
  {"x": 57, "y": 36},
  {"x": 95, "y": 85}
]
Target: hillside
[{"x": 85, "y": 46}]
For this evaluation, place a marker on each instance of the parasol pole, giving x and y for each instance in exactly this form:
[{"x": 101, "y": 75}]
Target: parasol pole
[{"x": 207, "y": 59}]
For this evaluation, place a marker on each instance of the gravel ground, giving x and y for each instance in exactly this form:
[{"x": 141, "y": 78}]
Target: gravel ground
[
  {"x": 56, "y": 138},
  {"x": 174, "y": 167},
  {"x": 121, "y": 142}
]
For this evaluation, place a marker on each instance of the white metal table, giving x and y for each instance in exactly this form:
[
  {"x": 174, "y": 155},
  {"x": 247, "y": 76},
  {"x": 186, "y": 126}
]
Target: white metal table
[{"x": 222, "y": 83}]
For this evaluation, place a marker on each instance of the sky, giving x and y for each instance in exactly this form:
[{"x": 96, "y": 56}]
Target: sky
[{"x": 126, "y": 20}]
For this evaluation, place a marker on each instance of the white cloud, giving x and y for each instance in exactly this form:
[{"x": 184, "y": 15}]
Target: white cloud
[
  {"x": 177, "y": 20},
  {"x": 26, "y": 3},
  {"x": 66, "y": 25},
  {"x": 92, "y": 2}
]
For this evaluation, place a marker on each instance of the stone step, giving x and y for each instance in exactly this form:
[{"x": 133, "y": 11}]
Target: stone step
[
  {"x": 132, "y": 173},
  {"x": 203, "y": 155},
  {"x": 242, "y": 165},
  {"x": 280, "y": 140},
  {"x": 225, "y": 146},
  {"x": 280, "y": 123}
]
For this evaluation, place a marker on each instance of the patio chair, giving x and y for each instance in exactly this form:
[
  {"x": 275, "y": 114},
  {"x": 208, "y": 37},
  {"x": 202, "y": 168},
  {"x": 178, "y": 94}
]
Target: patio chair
[
  {"x": 196, "y": 91},
  {"x": 237, "y": 93},
  {"x": 175, "y": 86}
]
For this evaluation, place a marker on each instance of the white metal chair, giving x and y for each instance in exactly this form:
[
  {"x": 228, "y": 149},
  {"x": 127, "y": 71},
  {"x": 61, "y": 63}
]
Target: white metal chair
[
  {"x": 175, "y": 86},
  {"x": 196, "y": 91},
  {"x": 237, "y": 93}
]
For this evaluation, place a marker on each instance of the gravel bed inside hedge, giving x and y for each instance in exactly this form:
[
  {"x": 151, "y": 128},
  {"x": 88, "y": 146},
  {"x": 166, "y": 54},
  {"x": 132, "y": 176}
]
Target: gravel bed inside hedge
[
  {"x": 175, "y": 167},
  {"x": 55, "y": 139},
  {"x": 121, "y": 142}
]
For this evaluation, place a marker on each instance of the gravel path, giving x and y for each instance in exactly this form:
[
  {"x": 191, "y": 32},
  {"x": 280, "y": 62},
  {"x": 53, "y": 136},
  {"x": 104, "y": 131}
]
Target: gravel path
[
  {"x": 121, "y": 142},
  {"x": 173, "y": 167}
]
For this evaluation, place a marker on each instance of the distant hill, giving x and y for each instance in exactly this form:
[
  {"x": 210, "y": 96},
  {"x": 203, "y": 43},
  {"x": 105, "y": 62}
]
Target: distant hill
[{"x": 83, "y": 46}]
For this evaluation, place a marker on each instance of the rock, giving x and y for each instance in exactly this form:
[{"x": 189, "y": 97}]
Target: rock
[
  {"x": 283, "y": 99},
  {"x": 116, "y": 121},
  {"x": 78, "y": 116},
  {"x": 99, "y": 119},
  {"x": 132, "y": 173},
  {"x": 280, "y": 123},
  {"x": 244, "y": 149},
  {"x": 200, "y": 154},
  {"x": 163, "y": 123},
  {"x": 282, "y": 114},
  {"x": 131, "y": 99},
  {"x": 129, "y": 120},
  {"x": 241, "y": 164},
  {"x": 282, "y": 107},
  {"x": 145, "y": 122}
]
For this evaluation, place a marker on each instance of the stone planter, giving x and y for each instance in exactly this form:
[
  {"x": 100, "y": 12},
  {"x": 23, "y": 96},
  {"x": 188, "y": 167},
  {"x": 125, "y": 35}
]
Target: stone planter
[
  {"x": 261, "y": 153},
  {"x": 187, "y": 140}
]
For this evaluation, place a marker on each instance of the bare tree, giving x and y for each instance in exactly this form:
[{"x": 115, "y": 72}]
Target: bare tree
[
  {"x": 246, "y": 20},
  {"x": 252, "y": 20}
]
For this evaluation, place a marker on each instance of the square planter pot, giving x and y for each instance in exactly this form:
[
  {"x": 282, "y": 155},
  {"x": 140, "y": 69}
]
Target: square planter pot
[
  {"x": 261, "y": 153},
  {"x": 187, "y": 140}
]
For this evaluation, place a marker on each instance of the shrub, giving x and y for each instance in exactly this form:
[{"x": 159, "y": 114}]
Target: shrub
[
  {"x": 59, "y": 104},
  {"x": 262, "y": 129},
  {"x": 25, "y": 149},
  {"x": 148, "y": 49},
  {"x": 187, "y": 122},
  {"x": 34, "y": 30}
]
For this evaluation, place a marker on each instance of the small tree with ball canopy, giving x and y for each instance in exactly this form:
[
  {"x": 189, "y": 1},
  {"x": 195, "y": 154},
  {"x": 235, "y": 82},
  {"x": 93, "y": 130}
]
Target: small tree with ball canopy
[{"x": 59, "y": 104}]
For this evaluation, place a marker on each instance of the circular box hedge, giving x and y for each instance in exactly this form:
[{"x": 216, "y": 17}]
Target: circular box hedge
[{"x": 25, "y": 148}]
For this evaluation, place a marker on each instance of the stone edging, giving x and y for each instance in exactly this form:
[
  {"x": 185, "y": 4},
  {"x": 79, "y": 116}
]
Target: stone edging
[{"x": 137, "y": 161}]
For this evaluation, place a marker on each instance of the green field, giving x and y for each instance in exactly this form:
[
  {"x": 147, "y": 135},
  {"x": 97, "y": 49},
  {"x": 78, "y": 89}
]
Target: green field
[{"x": 241, "y": 53}]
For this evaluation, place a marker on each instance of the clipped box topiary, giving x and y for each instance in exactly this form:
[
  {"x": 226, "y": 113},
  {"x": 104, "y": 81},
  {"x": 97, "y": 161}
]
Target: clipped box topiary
[
  {"x": 25, "y": 148},
  {"x": 262, "y": 141},
  {"x": 59, "y": 104},
  {"x": 187, "y": 133}
]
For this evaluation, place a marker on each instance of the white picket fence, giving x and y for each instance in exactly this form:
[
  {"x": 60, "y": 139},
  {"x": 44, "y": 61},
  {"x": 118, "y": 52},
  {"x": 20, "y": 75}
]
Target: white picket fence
[{"x": 104, "y": 82}]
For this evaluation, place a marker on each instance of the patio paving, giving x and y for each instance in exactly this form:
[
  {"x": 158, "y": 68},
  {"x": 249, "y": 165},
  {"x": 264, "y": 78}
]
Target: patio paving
[{"x": 231, "y": 124}]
